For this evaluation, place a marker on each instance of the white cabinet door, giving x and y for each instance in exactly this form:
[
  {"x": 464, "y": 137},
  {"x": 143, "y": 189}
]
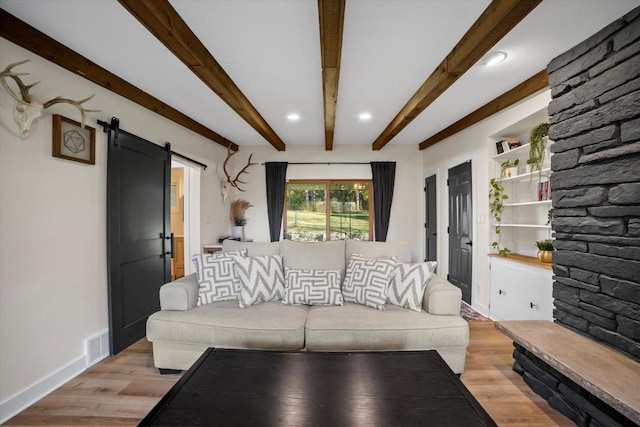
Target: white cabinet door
[{"x": 519, "y": 291}]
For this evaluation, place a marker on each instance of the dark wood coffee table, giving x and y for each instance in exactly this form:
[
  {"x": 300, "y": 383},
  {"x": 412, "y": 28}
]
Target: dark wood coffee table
[{"x": 266, "y": 388}]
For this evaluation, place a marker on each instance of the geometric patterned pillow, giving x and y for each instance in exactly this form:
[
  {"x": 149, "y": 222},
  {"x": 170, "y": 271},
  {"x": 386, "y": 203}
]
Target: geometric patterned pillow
[
  {"x": 312, "y": 287},
  {"x": 367, "y": 280},
  {"x": 408, "y": 284},
  {"x": 217, "y": 278},
  {"x": 261, "y": 279}
]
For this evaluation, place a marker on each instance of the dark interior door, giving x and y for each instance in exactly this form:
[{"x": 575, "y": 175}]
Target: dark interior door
[
  {"x": 431, "y": 220},
  {"x": 138, "y": 227},
  {"x": 460, "y": 229}
]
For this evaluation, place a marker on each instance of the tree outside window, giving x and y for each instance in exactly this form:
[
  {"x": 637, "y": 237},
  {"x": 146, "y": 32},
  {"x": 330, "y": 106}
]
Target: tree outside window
[{"x": 347, "y": 215}]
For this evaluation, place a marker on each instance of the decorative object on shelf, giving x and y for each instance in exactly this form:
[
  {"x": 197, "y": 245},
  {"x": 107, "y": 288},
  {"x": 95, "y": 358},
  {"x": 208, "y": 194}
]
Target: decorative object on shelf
[
  {"x": 227, "y": 183},
  {"x": 545, "y": 250},
  {"x": 238, "y": 209},
  {"x": 27, "y": 109},
  {"x": 513, "y": 144},
  {"x": 497, "y": 196},
  {"x": 538, "y": 145},
  {"x": 71, "y": 141}
]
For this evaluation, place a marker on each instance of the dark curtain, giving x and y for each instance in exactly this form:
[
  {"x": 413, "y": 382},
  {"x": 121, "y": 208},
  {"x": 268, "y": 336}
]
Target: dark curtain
[
  {"x": 384, "y": 176},
  {"x": 276, "y": 175}
]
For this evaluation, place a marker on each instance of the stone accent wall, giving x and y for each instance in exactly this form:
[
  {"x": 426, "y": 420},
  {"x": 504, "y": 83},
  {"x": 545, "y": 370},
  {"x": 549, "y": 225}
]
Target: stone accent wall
[
  {"x": 563, "y": 394},
  {"x": 595, "y": 123}
]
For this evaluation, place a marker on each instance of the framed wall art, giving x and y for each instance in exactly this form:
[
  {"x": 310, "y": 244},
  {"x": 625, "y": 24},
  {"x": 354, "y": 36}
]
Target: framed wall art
[{"x": 72, "y": 142}]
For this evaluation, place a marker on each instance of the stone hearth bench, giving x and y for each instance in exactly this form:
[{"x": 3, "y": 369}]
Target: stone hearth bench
[{"x": 586, "y": 381}]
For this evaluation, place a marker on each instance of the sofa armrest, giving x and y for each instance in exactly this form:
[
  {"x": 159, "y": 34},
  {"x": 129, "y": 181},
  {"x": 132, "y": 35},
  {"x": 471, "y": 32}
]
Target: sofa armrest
[
  {"x": 181, "y": 294},
  {"x": 441, "y": 297}
]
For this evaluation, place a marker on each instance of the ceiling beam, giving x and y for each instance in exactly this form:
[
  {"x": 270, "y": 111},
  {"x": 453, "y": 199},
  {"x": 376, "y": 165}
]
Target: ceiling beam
[
  {"x": 494, "y": 23},
  {"x": 162, "y": 20},
  {"x": 24, "y": 35},
  {"x": 530, "y": 86},
  {"x": 331, "y": 14}
]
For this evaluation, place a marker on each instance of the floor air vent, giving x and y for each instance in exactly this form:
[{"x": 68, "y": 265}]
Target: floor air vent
[{"x": 97, "y": 348}]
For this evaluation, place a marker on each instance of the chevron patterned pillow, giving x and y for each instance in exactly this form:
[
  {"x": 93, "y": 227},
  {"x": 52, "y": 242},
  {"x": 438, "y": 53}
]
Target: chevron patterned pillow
[
  {"x": 312, "y": 287},
  {"x": 367, "y": 280},
  {"x": 217, "y": 279},
  {"x": 261, "y": 279},
  {"x": 408, "y": 284}
]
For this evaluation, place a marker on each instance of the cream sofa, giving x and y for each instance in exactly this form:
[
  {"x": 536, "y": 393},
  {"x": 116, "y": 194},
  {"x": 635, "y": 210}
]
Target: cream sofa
[{"x": 181, "y": 330}]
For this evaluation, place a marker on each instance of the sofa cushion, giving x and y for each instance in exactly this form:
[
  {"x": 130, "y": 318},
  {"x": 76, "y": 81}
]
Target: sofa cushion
[
  {"x": 353, "y": 327},
  {"x": 400, "y": 249},
  {"x": 313, "y": 287},
  {"x": 408, "y": 283},
  {"x": 270, "y": 325},
  {"x": 217, "y": 280},
  {"x": 313, "y": 255},
  {"x": 261, "y": 279},
  {"x": 253, "y": 248},
  {"x": 367, "y": 280}
]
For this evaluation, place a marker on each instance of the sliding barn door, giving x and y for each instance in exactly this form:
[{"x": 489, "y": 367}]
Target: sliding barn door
[{"x": 139, "y": 236}]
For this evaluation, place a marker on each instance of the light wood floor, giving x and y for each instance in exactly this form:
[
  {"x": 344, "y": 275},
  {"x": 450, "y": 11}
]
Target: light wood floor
[{"x": 121, "y": 390}]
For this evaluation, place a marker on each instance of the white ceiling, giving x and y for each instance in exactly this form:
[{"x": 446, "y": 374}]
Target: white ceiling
[{"x": 271, "y": 50}]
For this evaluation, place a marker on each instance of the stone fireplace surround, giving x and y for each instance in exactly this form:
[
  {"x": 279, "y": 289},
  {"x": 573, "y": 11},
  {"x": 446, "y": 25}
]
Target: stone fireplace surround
[{"x": 595, "y": 124}]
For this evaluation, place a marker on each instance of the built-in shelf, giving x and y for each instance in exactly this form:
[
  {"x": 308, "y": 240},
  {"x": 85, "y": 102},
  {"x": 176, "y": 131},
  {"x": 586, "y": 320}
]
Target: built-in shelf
[
  {"x": 523, "y": 225},
  {"x": 524, "y": 259},
  {"x": 517, "y": 153},
  {"x": 544, "y": 172},
  {"x": 537, "y": 202}
]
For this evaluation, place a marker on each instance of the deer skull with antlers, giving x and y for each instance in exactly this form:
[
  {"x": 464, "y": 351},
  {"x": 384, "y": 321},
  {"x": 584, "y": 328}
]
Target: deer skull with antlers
[
  {"x": 27, "y": 109},
  {"x": 227, "y": 183}
]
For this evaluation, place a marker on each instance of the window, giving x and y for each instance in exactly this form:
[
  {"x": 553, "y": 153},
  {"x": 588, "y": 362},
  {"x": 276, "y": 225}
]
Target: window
[{"x": 347, "y": 215}]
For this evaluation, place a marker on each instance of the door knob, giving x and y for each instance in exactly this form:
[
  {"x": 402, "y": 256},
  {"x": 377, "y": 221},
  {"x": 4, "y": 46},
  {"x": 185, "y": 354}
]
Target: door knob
[{"x": 469, "y": 243}]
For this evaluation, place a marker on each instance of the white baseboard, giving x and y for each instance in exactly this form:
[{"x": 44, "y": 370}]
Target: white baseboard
[
  {"x": 482, "y": 309},
  {"x": 22, "y": 400}
]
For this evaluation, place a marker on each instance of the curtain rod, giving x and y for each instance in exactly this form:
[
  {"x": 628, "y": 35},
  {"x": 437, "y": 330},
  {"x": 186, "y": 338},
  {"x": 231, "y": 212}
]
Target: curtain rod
[
  {"x": 327, "y": 163},
  {"x": 189, "y": 159},
  {"x": 115, "y": 126}
]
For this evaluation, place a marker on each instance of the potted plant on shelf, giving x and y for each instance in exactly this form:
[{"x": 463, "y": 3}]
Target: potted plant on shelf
[
  {"x": 497, "y": 196},
  {"x": 545, "y": 250},
  {"x": 238, "y": 209},
  {"x": 537, "y": 148}
]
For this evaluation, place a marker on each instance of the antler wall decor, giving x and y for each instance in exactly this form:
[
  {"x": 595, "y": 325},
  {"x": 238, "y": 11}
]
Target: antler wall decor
[
  {"x": 227, "y": 182},
  {"x": 27, "y": 109}
]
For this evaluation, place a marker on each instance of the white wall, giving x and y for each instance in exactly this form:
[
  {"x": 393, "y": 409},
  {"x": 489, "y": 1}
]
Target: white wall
[
  {"x": 474, "y": 144},
  {"x": 53, "y": 274},
  {"x": 406, "y": 210}
]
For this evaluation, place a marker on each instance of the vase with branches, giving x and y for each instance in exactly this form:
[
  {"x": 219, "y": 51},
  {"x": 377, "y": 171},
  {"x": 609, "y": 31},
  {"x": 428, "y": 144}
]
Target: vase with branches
[{"x": 238, "y": 210}]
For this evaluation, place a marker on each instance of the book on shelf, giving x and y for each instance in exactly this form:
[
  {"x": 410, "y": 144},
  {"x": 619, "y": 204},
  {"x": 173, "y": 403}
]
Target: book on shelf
[
  {"x": 544, "y": 191},
  {"x": 507, "y": 145},
  {"x": 501, "y": 147}
]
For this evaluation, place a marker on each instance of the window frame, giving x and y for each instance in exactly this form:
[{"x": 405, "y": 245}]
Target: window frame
[{"x": 327, "y": 183}]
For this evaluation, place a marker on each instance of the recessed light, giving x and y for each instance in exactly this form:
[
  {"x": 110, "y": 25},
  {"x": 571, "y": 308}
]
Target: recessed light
[
  {"x": 364, "y": 116},
  {"x": 293, "y": 117},
  {"x": 494, "y": 58}
]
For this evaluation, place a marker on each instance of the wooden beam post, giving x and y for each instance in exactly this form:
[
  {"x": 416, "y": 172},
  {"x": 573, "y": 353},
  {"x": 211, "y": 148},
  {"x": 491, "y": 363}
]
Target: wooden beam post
[
  {"x": 530, "y": 86},
  {"x": 162, "y": 20},
  {"x": 24, "y": 35},
  {"x": 331, "y": 13},
  {"x": 500, "y": 17}
]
